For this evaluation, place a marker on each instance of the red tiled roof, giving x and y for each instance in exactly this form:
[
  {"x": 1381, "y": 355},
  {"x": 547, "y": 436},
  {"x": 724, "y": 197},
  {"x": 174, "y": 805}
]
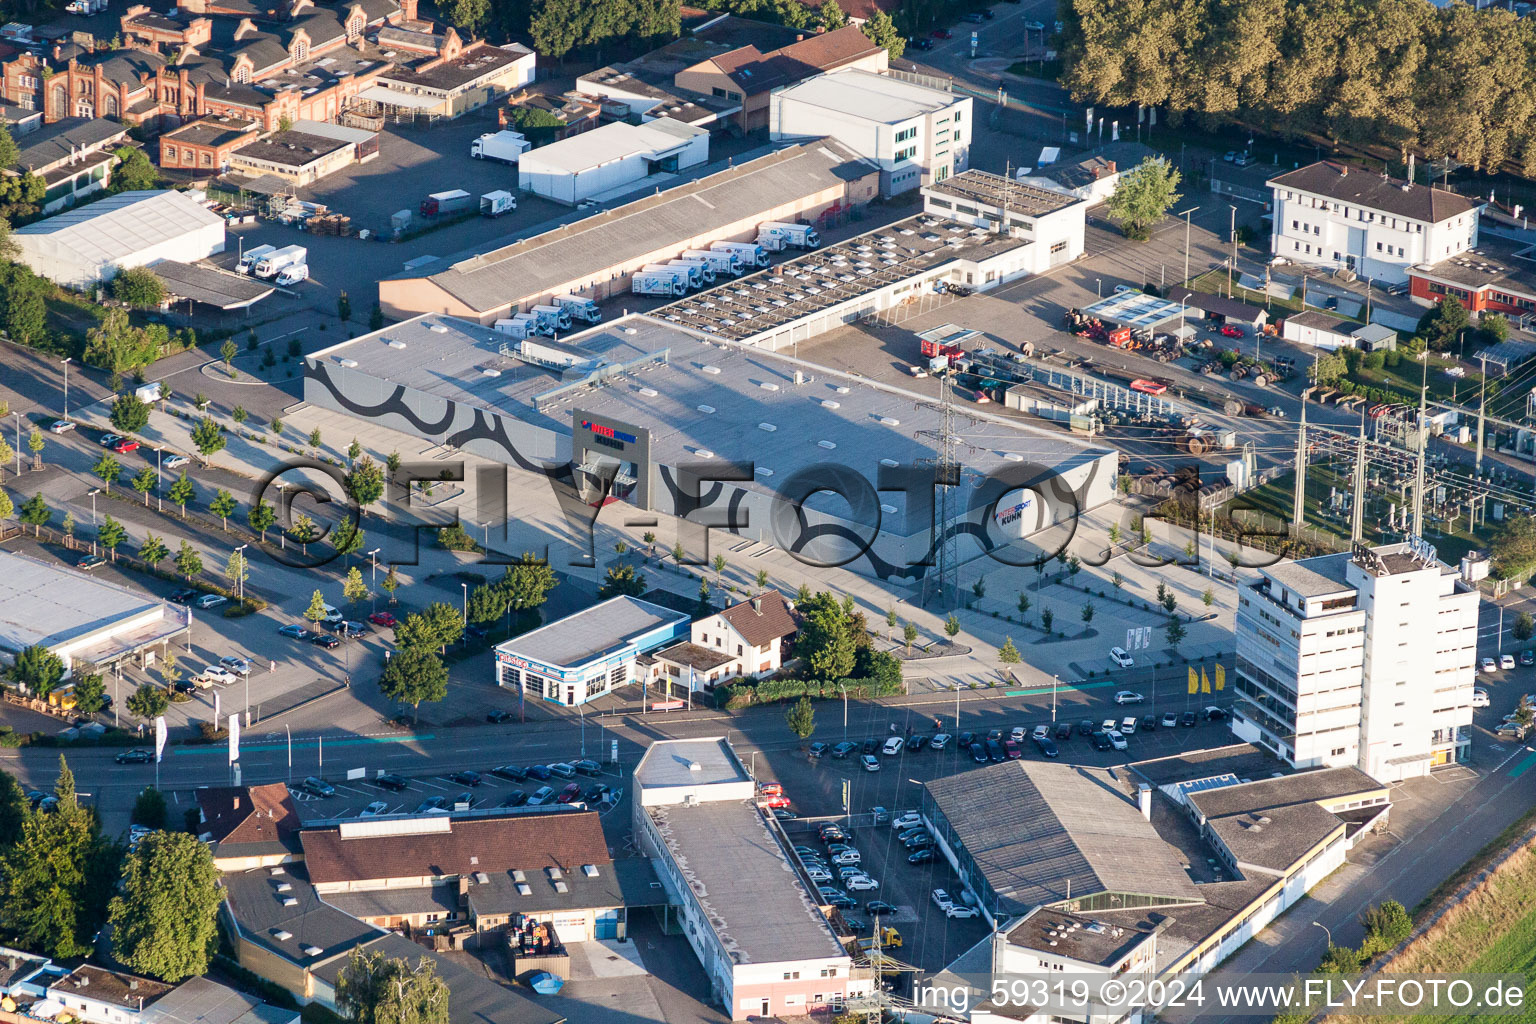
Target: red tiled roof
[
  {"x": 526, "y": 842},
  {"x": 771, "y": 620},
  {"x": 830, "y": 49},
  {"x": 248, "y": 814}
]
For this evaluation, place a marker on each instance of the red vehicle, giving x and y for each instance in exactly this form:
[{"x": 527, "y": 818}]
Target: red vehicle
[
  {"x": 1228, "y": 331},
  {"x": 1150, "y": 387},
  {"x": 775, "y": 801},
  {"x": 1013, "y": 750},
  {"x": 569, "y": 793},
  {"x": 771, "y": 789},
  {"x": 125, "y": 446},
  {"x": 384, "y": 619},
  {"x": 942, "y": 33}
]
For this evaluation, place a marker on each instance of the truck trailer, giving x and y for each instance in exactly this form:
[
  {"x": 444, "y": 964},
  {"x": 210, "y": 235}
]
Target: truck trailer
[
  {"x": 662, "y": 281},
  {"x": 503, "y": 147},
  {"x": 494, "y": 204},
  {"x": 690, "y": 277},
  {"x": 705, "y": 268},
  {"x": 776, "y": 235},
  {"x": 253, "y": 256},
  {"x": 439, "y": 203},
  {"x": 288, "y": 256},
  {"x": 750, "y": 253},
  {"x": 557, "y": 317},
  {"x": 722, "y": 262},
  {"x": 580, "y": 307}
]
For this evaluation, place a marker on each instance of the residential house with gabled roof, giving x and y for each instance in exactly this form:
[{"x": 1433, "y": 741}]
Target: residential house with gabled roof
[
  {"x": 746, "y": 639},
  {"x": 249, "y": 826}
]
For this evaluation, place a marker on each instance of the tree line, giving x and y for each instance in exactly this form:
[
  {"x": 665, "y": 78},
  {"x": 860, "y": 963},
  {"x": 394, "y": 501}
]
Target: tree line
[{"x": 1398, "y": 75}]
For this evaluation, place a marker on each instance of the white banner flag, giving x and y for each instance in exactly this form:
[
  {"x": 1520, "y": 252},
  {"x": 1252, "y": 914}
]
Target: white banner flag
[
  {"x": 159, "y": 738},
  {"x": 234, "y": 738}
]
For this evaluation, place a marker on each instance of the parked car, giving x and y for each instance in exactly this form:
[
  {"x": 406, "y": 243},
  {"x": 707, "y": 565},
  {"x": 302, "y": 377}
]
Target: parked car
[
  {"x": 1214, "y": 714},
  {"x": 959, "y": 910},
  {"x": 1128, "y": 725},
  {"x": 1129, "y": 697},
  {"x": 294, "y": 630},
  {"x": 219, "y": 674},
  {"x": 911, "y": 833},
  {"x": 318, "y": 786},
  {"x": 879, "y": 908},
  {"x": 373, "y": 810},
  {"x": 1229, "y": 331},
  {"x": 1100, "y": 741},
  {"x": 911, "y": 819},
  {"x": 1116, "y": 740},
  {"x": 819, "y": 749},
  {"x": 464, "y": 799},
  {"x": 511, "y": 773},
  {"x": 943, "y": 33},
  {"x": 941, "y": 899},
  {"x": 1040, "y": 732},
  {"x": 384, "y": 619},
  {"x": 569, "y": 794},
  {"x": 842, "y": 750},
  {"x": 565, "y": 771},
  {"x": 1063, "y": 730},
  {"x": 177, "y": 462},
  {"x": 236, "y": 664},
  {"x": 924, "y": 43},
  {"x": 870, "y": 746},
  {"x": 1187, "y": 718},
  {"x": 466, "y": 778},
  {"x": 849, "y": 856},
  {"x": 892, "y": 746},
  {"x": 939, "y": 742},
  {"x": 1107, "y": 725},
  {"x": 1479, "y": 697},
  {"x": 1487, "y": 665},
  {"x": 183, "y": 595},
  {"x": 995, "y": 751},
  {"x": 978, "y": 753},
  {"x": 922, "y": 856},
  {"x": 541, "y": 796},
  {"x": 1506, "y": 661},
  {"x": 1047, "y": 747},
  {"x": 125, "y": 445},
  {"x": 588, "y": 767},
  {"x": 842, "y": 901},
  {"x": 1170, "y": 719},
  {"x": 539, "y": 773},
  {"x": 870, "y": 762},
  {"x": 431, "y": 804},
  {"x": 1012, "y": 750},
  {"x": 966, "y": 739},
  {"x": 861, "y": 883},
  {"x": 516, "y": 798},
  {"x": 1085, "y": 727},
  {"x": 1230, "y": 156},
  {"x": 916, "y": 743},
  {"x": 1119, "y": 656},
  {"x": 210, "y": 601},
  {"x": 61, "y": 426},
  {"x": 324, "y": 640},
  {"x": 817, "y": 873},
  {"x": 918, "y": 842},
  {"x": 498, "y": 717},
  {"x": 1148, "y": 723},
  {"x": 108, "y": 440},
  {"x": 88, "y": 561},
  {"x": 138, "y": 755},
  {"x": 1528, "y": 658},
  {"x": 389, "y": 780}
]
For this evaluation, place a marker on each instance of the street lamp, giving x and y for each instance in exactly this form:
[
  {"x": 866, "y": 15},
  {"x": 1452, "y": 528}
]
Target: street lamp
[
  {"x": 93, "y": 505},
  {"x": 1053, "y": 699},
  {"x": 1318, "y": 924},
  {"x": 844, "y": 689},
  {"x": 374, "y": 580},
  {"x": 18, "y": 444},
  {"x": 67, "y": 360},
  {"x": 1099, "y": 283},
  {"x": 240, "y": 579},
  {"x": 159, "y": 501}
]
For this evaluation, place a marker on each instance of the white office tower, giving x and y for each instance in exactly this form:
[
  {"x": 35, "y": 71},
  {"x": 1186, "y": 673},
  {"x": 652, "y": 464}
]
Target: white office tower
[{"x": 1365, "y": 658}]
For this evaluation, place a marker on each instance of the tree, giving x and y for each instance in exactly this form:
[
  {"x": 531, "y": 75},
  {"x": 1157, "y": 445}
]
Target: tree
[
  {"x": 704, "y": 608},
  {"x": 1174, "y": 632},
  {"x": 1117, "y": 580},
  {"x": 1046, "y": 618},
  {"x": 277, "y": 425},
  {"x": 129, "y": 414},
  {"x": 316, "y": 612},
  {"x": 392, "y": 463},
  {"x": 148, "y": 701},
  {"x": 237, "y": 570},
  {"x": 303, "y": 530},
  {"x": 376, "y": 318},
  {"x": 223, "y": 505},
  {"x": 35, "y": 443},
  {"x": 374, "y": 989},
  {"x": 343, "y": 301},
  {"x": 38, "y": 669},
  {"x": 1512, "y": 549},
  {"x": 26, "y": 301},
  {"x": 1443, "y": 322},
  {"x": 90, "y": 690},
  {"x": 145, "y": 482},
  {"x": 487, "y": 602},
  {"x": 364, "y": 482},
  {"x": 1386, "y": 924},
  {"x": 620, "y": 580},
  {"x": 1524, "y": 627},
  {"x": 153, "y": 551},
  {"x": 207, "y": 437},
  {"x": 353, "y": 451},
  {"x": 188, "y": 562},
  {"x": 7, "y": 507},
  {"x": 909, "y": 635},
  {"x": 181, "y": 492},
  {"x": 165, "y": 922},
  {"x": 348, "y": 538},
  {"x": 149, "y": 808},
  {"x": 390, "y": 584},
  {"x": 414, "y": 676},
  {"x": 227, "y": 352},
  {"x": 761, "y": 579},
  {"x": 13, "y": 812},
  {"x": 825, "y": 641},
  {"x": 952, "y": 626},
  {"x": 353, "y": 588},
  {"x": 239, "y": 415},
  {"x": 108, "y": 468},
  {"x": 1008, "y": 654},
  {"x": 47, "y": 880},
  {"x": 314, "y": 438},
  {"x": 718, "y": 563},
  {"x": 111, "y": 535},
  {"x": 830, "y": 16},
  {"x": 138, "y": 287},
  {"x": 134, "y": 172},
  {"x": 1339, "y": 960},
  {"x": 1525, "y": 712},
  {"x": 9, "y": 152},
  {"x": 1143, "y": 196},
  {"x": 170, "y": 671},
  {"x": 882, "y": 31},
  {"x": 7, "y": 456},
  {"x": 1170, "y": 601},
  {"x": 36, "y": 513},
  {"x": 801, "y": 717},
  {"x": 1209, "y": 597},
  {"x": 1087, "y": 613},
  {"x": 261, "y": 517}
]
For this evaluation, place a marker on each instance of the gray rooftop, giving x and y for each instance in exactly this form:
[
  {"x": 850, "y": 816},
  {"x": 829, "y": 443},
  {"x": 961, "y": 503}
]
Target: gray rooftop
[
  {"x": 207, "y": 285},
  {"x": 50, "y": 604},
  {"x": 1301, "y": 788},
  {"x": 1273, "y": 841},
  {"x": 996, "y": 190},
  {"x": 200, "y": 1000},
  {"x": 1042, "y": 833},
  {"x": 59, "y": 141},
  {"x": 1079, "y": 936},
  {"x": 555, "y": 259},
  {"x": 261, "y": 908},
  {"x": 591, "y": 632},
  {"x": 742, "y": 877},
  {"x": 1312, "y": 577},
  {"x": 1243, "y": 760},
  {"x": 668, "y": 763},
  {"x": 864, "y": 94},
  {"x": 752, "y": 387}
]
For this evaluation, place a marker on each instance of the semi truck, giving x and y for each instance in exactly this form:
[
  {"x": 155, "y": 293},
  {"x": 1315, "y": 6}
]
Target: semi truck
[
  {"x": 251, "y": 257},
  {"x": 503, "y": 147},
  {"x": 292, "y": 274},
  {"x": 580, "y": 307},
  {"x": 722, "y": 262},
  {"x": 494, "y": 204},
  {"x": 750, "y": 253},
  {"x": 439, "y": 203},
  {"x": 662, "y": 281},
  {"x": 554, "y": 317},
  {"x": 288, "y": 256},
  {"x": 776, "y": 235},
  {"x": 705, "y": 268},
  {"x": 687, "y": 276}
]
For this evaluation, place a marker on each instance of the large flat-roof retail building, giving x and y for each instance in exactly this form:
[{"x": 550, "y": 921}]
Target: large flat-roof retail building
[
  {"x": 915, "y": 133},
  {"x": 757, "y": 927},
  {"x": 79, "y": 618},
  {"x": 628, "y": 407},
  {"x": 596, "y": 256},
  {"x": 587, "y": 654},
  {"x": 89, "y": 245}
]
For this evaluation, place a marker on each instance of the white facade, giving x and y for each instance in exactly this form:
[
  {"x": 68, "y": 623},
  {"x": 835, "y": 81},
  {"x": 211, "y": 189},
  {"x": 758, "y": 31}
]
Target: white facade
[
  {"x": 1051, "y": 220},
  {"x": 1366, "y": 660},
  {"x": 610, "y": 157},
  {"x": 90, "y": 244},
  {"x": 1315, "y": 228},
  {"x": 914, "y": 133}
]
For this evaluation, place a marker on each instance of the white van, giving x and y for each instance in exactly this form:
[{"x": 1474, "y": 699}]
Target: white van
[{"x": 893, "y": 746}]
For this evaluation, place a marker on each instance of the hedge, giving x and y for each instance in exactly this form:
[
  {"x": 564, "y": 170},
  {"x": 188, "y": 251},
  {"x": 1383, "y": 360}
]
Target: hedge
[{"x": 773, "y": 691}]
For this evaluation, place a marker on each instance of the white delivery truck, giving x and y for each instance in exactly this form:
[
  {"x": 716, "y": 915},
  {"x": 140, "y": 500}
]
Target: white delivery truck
[
  {"x": 512, "y": 327},
  {"x": 693, "y": 271},
  {"x": 580, "y": 307},
  {"x": 685, "y": 275},
  {"x": 503, "y": 146},
  {"x": 494, "y": 204},
  {"x": 658, "y": 282},
  {"x": 292, "y": 274},
  {"x": 722, "y": 262},
  {"x": 287, "y": 256},
  {"x": 251, "y": 257},
  {"x": 440, "y": 203},
  {"x": 751, "y": 254},
  {"x": 559, "y": 316},
  {"x": 776, "y": 235},
  {"x": 706, "y": 269}
]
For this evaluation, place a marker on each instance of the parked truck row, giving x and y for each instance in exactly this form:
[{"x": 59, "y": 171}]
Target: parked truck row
[
  {"x": 285, "y": 266},
  {"x": 696, "y": 268}
]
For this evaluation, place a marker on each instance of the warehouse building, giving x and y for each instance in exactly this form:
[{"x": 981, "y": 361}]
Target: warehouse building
[
  {"x": 595, "y": 256},
  {"x": 757, "y": 928},
  {"x": 611, "y": 159},
  {"x": 913, "y": 133},
  {"x": 588, "y": 654},
  {"x": 79, "y": 618},
  {"x": 628, "y": 406},
  {"x": 1052, "y": 222},
  {"x": 83, "y": 247}
]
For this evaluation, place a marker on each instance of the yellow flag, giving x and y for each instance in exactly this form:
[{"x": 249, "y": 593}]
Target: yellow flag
[
  {"x": 1194, "y": 683},
  {"x": 1221, "y": 677},
  {"x": 1205, "y": 684}
]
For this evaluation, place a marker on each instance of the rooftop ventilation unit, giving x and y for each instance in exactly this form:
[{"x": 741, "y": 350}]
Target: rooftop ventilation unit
[
  {"x": 590, "y": 870},
  {"x": 490, "y": 371},
  {"x": 313, "y": 951},
  {"x": 278, "y": 870},
  {"x": 561, "y": 887},
  {"x": 438, "y": 329},
  {"x": 649, "y": 392},
  {"x": 842, "y": 389},
  {"x": 290, "y": 901},
  {"x": 523, "y": 889},
  {"x": 395, "y": 343},
  {"x": 518, "y": 876},
  {"x": 889, "y": 510},
  {"x": 762, "y": 471},
  {"x": 892, "y": 463},
  {"x": 555, "y": 873},
  {"x": 350, "y": 364},
  {"x": 768, "y": 385},
  {"x": 708, "y": 409},
  {"x": 829, "y": 445},
  {"x": 890, "y": 421},
  {"x": 767, "y": 426},
  {"x": 482, "y": 878},
  {"x": 828, "y": 403},
  {"x": 704, "y": 453},
  {"x": 1012, "y": 457},
  {"x": 285, "y": 887},
  {"x": 707, "y": 368},
  {"x": 282, "y": 936}
]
